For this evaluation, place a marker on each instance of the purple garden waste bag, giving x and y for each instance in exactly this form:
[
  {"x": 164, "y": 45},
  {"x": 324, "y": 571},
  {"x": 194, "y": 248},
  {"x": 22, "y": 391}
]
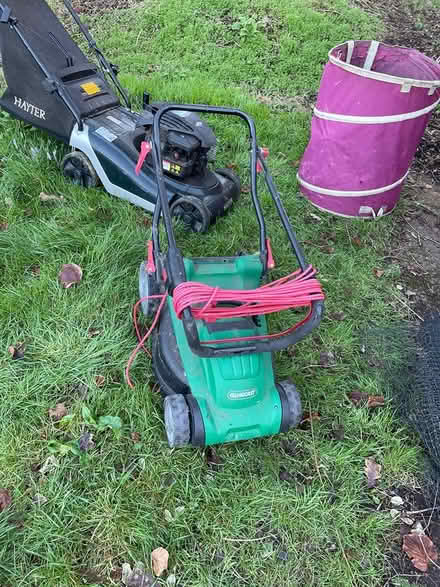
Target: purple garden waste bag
[{"x": 374, "y": 103}]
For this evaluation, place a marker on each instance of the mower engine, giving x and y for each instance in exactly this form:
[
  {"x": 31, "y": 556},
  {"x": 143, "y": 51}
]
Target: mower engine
[{"x": 187, "y": 144}]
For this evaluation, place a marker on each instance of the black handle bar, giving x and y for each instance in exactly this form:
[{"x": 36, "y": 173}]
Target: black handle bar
[{"x": 175, "y": 263}]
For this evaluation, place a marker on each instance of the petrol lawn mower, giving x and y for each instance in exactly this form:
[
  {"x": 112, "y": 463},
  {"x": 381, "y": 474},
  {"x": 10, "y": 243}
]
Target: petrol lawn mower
[
  {"x": 211, "y": 350},
  {"x": 52, "y": 85}
]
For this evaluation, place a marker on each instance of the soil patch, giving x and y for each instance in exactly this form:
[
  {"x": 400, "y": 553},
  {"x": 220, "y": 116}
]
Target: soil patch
[
  {"x": 96, "y": 6},
  {"x": 415, "y": 240},
  {"x": 399, "y": 566}
]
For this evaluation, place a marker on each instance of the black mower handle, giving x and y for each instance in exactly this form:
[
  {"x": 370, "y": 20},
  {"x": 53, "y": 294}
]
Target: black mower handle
[{"x": 175, "y": 264}]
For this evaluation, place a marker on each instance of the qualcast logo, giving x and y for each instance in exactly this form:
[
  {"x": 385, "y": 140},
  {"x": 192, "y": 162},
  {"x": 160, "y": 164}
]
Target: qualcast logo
[
  {"x": 246, "y": 394},
  {"x": 29, "y": 108}
]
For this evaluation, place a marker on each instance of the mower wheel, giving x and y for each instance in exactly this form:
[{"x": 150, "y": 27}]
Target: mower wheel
[
  {"x": 192, "y": 212},
  {"x": 177, "y": 424},
  {"x": 291, "y": 404},
  {"x": 147, "y": 287},
  {"x": 77, "y": 168},
  {"x": 226, "y": 172}
]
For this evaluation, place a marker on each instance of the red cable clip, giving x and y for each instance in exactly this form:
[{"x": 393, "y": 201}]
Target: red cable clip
[
  {"x": 151, "y": 266},
  {"x": 265, "y": 153},
  {"x": 146, "y": 149},
  {"x": 270, "y": 259}
]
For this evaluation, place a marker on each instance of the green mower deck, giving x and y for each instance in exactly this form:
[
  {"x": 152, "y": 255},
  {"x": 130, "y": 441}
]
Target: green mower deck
[{"x": 237, "y": 395}]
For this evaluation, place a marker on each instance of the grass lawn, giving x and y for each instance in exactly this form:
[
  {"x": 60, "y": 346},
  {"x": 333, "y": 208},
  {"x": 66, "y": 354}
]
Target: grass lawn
[{"x": 242, "y": 524}]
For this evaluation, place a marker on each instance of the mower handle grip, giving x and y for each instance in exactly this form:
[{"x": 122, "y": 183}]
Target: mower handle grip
[{"x": 257, "y": 346}]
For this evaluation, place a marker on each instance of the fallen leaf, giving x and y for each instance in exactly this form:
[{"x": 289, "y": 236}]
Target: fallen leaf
[
  {"x": 339, "y": 316},
  {"x": 329, "y": 250},
  {"x": 372, "y": 401},
  {"x": 295, "y": 163},
  {"x": 39, "y": 500},
  {"x": 285, "y": 475},
  {"x": 420, "y": 550},
  {"x": 232, "y": 165},
  {"x": 308, "y": 418},
  {"x": 396, "y": 501},
  {"x": 92, "y": 332},
  {"x": 168, "y": 516},
  {"x": 57, "y": 413},
  {"x": 245, "y": 189},
  {"x": 327, "y": 359},
  {"x": 375, "y": 400},
  {"x": 212, "y": 459},
  {"x": 17, "y": 351},
  {"x": 50, "y": 198},
  {"x": 136, "y": 437},
  {"x": 35, "y": 270},
  {"x": 338, "y": 430},
  {"x": 137, "y": 577},
  {"x": 5, "y": 499},
  {"x": 99, "y": 380},
  {"x": 378, "y": 272},
  {"x": 50, "y": 464},
  {"x": 372, "y": 471},
  {"x": 159, "y": 561},
  {"x": 356, "y": 241},
  {"x": 70, "y": 274},
  {"x": 86, "y": 441},
  {"x": 4, "y": 226}
]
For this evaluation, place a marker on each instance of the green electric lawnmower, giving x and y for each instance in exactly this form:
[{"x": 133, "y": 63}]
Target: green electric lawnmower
[{"x": 211, "y": 349}]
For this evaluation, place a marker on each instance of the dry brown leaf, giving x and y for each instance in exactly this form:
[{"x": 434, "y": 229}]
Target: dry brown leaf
[
  {"x": 372, "y": 471},
  {"x": 232, "y": 165},
  {"x": 57, "y": 413},
  {"x": 5, "y": 499},
  {"x": 308, "y": 418},
  {"x": 356, "y": 241},
  {"x": 135, "y": 436},
  {"x": 420, "y": 550},
  {"x": 378, "y": 272},
  {"x": 99, "y": 380},
  {"x": 4, "y": 226},
  {"x": 70, "y": 274},
  {"x": 245, "y": 189},
  {"x": 92, "y": 332},
  {"x": 159, "y": 561},
  {"x": 16, "y": 351},
  {"x": 295, "y": 163},
  {"x": 35, "y": 270},
  {"x": 50, "y": 198},
  {"x": 375, "y": 400}
]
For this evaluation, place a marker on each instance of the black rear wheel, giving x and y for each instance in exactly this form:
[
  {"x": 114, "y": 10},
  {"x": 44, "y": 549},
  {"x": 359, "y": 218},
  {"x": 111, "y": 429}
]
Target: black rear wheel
[
  {"x": 177, "y": 423},
  {"x": 77, "y": 168},
  {"x": 226, "y": 172},
  {"x": 192, "y": 212}
]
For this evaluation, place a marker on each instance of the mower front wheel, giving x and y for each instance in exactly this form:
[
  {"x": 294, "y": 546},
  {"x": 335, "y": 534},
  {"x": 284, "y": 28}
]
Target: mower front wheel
[
  {"x": 78, "y": 169},
  {"x": 177, "y": 422},
  {"x": 291, "y": 405}
]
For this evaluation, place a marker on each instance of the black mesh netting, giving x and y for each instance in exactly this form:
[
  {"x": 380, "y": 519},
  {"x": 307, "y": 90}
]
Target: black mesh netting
[{"x": 407, "y": 358}]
